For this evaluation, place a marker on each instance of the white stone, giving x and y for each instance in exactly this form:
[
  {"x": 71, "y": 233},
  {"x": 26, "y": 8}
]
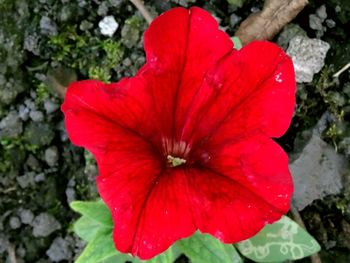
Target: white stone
[
  {"x": 308, "y": 57},
  {"x": 317, "y": 172},
  {"x": 108, "y": 26}
]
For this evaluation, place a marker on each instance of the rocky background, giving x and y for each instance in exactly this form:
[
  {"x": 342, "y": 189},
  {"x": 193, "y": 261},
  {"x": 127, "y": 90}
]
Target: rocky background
[{"x": 44, "y": 44}]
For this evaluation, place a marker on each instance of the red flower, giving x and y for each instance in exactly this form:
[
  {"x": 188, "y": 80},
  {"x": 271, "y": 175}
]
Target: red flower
[{"x": 186, "y": 143}]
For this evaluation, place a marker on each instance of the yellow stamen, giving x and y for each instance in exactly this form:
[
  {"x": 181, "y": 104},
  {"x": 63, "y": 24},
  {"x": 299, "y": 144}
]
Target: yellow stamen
[{"x": 175, "y": 161}]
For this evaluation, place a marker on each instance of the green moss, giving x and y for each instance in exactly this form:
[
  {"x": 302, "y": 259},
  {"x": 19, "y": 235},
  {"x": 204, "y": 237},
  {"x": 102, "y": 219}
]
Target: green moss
[
  {"x": 42, "y": 92},
  {"x": 131, "y": 31},
  {"x": 325, "y": 93},
  {"x": 114, "y": 52},
  {"x": 19, "y": 142},
  {"x": 13, "y": 153},
  {"x": 344, "y": 13},
  {"x": 111, "y": 57},
  {"x": 342, "y": 205},
  {"x": 94, "y": 57},
  {"x": 5, "y": 164},
  {"x": 89, "y": 158},
  {"x": 69, "y": 47},
  {"x": 336, "y": 101},
  {"x": 237, "y": 3},
  {"x": 37, "y": 135},
  {"x": 325, "y": 86},
  {"x": 99, "y": 73},
  {"x": 134, "y": 21}
]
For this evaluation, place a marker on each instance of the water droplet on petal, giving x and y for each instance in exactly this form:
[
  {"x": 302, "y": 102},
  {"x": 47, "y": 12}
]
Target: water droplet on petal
[
  {"x": 219, "y": 235},
  {"x": 155, "y": 64},
  {"x": 215, "y": 81},
  {"x": 250, "y": 177},
  {"x": 278, "y": 77},
  {"x": 153, "y": 60},
  {"x": 219, "y": 85},
  {"x": 147, "y": 245}
]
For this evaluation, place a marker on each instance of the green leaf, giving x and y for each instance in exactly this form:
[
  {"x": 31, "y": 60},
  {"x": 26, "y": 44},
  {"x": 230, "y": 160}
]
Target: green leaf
[
  {"x": 237, "y": 44},
  {"x": 101, "y": 247},
  {"x": 201, "y": 248},
  {"x": 283, "y": 240},
  {"x": 120, "y": 258},
  {"x": 169, "y": 256},
  {"x": 86, "y": 228},
  {"x": 95, "y": 226},
  {"x": 97, "y": 211}
]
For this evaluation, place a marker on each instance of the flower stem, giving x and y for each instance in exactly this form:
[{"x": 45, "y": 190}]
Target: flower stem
[
  {"x": 315, "y": 258},
  {"x": 143, "y": 10}
]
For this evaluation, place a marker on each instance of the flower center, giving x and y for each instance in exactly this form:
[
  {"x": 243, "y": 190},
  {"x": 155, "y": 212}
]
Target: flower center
[
  {"x": 175, "y": 152},
  {"x": 175, "y": 161}
]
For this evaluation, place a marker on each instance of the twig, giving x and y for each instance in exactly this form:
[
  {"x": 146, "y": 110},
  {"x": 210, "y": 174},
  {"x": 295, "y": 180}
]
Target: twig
[
  {"x": 10, "y": 189},
  {"x": 337, "y": 74},
  {"x": 58, "y": 79},
  {"x": 56, "y": 86},
  {"x": 296, "y": 216},
  {"x": 264, "y": 25},
  {"x": 315, "y": 258},
  {"x": 12, "y": 254},
  {"x": 143, "y": 10}
]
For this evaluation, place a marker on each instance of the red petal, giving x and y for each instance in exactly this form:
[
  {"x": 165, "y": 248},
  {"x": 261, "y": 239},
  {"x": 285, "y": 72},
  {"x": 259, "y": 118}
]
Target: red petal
[
  {"x": 148, "y": 215},
  {"x": 242, "y": 188},
  {"x": 248, "y": 92},
  {"x": 99, "y": 115},
  {"x": 260, "y": 165},
  {"x": 181, "y": 46},
  {"x": 252, "y": 188},
  {"x": 105, "y": 119}
]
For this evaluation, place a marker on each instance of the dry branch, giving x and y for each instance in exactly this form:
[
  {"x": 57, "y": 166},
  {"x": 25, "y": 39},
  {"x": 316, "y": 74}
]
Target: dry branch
[
  {"x": 143, "y": 10},
  {"x": 265, "y": 24},
  {"x": 12, "y": 254},
  {"x": 58, "y": 80}
]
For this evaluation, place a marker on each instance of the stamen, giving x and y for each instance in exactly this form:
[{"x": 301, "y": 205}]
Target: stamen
[{"x": 175, "y": 161}]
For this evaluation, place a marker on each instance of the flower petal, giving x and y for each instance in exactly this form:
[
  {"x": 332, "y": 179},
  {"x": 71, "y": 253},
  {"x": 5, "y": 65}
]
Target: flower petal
[
  {"x": 240, "y": 189},
  {"x": 132, "y": 182},
  {"x": 149, "y": 215},
  {"x": 181, "y": 46},
  {"x": 258, "y": 164},
  {"x": 99, "y": 116},
  {"x": 249, "y": 91}
]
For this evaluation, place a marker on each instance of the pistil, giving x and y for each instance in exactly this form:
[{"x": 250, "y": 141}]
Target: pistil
[{"x": 175, "y": 161}]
